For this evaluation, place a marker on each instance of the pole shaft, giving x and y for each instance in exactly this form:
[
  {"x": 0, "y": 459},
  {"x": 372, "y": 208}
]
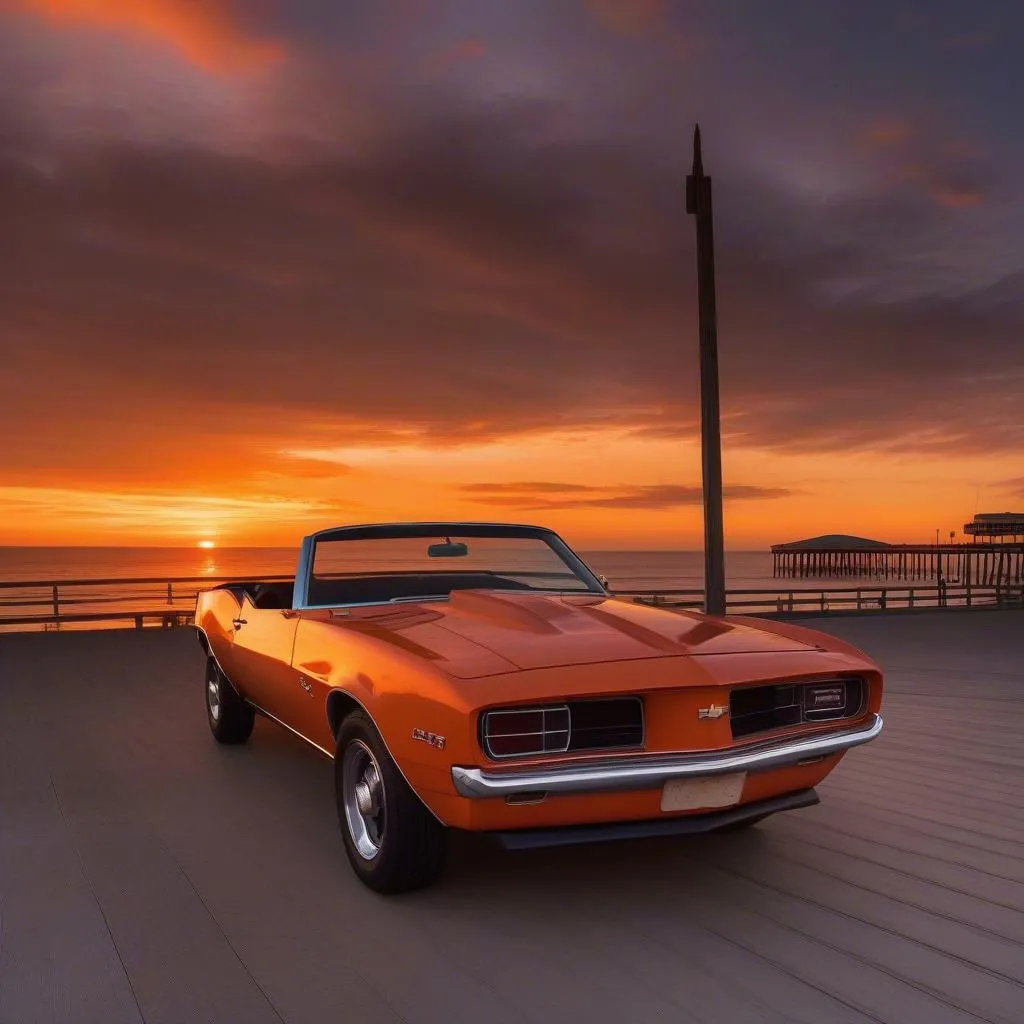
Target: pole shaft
[{"x": 699, "y": 204}]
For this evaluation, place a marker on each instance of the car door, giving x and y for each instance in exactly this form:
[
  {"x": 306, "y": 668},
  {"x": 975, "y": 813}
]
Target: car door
[
  {"x": 262, "y": 653},
  {"x": 320, "y": 658}
]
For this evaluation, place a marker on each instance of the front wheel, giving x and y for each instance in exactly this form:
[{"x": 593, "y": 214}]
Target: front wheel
[
  {"x": 230, "y": 718},
  {"x": 393, "y": 842}
]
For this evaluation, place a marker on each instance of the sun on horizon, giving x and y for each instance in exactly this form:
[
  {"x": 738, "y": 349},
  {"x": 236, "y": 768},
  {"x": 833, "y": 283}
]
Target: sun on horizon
[{"x": 206, "y": 544}]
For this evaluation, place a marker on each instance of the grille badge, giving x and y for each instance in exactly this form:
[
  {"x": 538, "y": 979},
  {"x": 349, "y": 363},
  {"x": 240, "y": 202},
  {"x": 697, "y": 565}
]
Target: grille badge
[{"x": 715, "y": 711}]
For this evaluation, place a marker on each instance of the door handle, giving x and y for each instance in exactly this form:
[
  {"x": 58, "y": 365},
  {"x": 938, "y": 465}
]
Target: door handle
[{"x": 238, "y": 623}]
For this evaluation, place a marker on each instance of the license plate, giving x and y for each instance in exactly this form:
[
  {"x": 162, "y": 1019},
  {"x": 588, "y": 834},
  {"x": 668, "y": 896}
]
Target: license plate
[{"x": 695, "y": 794}]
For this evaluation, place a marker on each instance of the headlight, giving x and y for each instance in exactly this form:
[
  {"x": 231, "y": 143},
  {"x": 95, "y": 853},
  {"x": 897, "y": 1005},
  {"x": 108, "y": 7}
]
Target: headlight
[
  {"x": 518, "y": 732},
  {"x": 611, "y": 723}
]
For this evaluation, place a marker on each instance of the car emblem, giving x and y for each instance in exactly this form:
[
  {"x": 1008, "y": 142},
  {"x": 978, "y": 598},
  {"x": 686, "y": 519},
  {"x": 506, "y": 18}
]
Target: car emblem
[
  {"x": 429, "y": 737},
  {"x": 306, "y": 685},
  {"x": 715, "y": 711}
]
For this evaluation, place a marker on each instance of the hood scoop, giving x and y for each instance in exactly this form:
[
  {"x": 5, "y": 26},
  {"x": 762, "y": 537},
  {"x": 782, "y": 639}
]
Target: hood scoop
[
  {"x": 526, "y": 614},
  {"x": 534, "y": 630}
]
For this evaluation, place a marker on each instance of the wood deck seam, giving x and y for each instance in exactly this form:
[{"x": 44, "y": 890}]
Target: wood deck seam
[
  {"x": 95, "y": 898},
  {"x": 960, "y": 922},
  {"x": 870, "y": 965},
  {"x": 880, "y": 813},
  {"x": 971, "y": 823},
  {"x": 790, "y": 894},
  {"x": 914, "y": 853},
  {"x": 800, "y": 978},
  {"x": 223, "y": 934},
  {"x": 906, "y": 874}
]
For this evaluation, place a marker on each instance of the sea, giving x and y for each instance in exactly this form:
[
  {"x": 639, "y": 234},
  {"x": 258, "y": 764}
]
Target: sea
[
  {"x": 38, "y": 568},
  {"x": 626, "y": 570}
]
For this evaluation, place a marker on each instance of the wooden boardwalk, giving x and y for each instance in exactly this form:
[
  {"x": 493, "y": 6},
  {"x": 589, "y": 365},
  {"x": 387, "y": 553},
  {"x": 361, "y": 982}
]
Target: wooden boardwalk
[{"x": 148, "y": 875}]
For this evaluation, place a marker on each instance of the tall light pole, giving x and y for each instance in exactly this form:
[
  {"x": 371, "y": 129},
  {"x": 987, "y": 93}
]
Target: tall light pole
[{"x": 698, "y": 202}]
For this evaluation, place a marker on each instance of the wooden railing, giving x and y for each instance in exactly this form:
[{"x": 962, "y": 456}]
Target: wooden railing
[
  {"x": 167, "y": 601},
  {"x": 830, "y": 600},
  {"x": 170, "y": 601}
]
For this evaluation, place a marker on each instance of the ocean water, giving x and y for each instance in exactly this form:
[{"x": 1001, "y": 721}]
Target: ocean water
[
  {"x": 642, "y": 570},
  {"x": 625, "y": 570}
]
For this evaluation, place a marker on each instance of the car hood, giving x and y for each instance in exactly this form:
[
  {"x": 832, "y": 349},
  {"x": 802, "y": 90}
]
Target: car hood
[{"x": 531, "y": 631}]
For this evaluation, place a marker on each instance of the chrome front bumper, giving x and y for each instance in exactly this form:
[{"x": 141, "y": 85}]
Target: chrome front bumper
[{"x": 651, "y": 772}]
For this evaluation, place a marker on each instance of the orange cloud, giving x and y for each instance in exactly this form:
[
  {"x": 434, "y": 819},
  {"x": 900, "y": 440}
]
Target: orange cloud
[
  {"x": 956, "y": 198},
  {"x": 941, "y": 187},
  {"x": 628, "y": 17},
  {"x": 458, "y": 53},
  {"x": 887, "y": 132},
  {"x": 201, "y": 32},
  {"x": 654, "y": 497},
  {"x": 93, "y": 514},
  {"x": 946, "y": 172}
]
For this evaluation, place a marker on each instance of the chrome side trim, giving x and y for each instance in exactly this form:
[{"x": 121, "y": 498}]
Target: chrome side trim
[
  {"x": 274, "y": 718},
  {"x": 650, "y": 772}
]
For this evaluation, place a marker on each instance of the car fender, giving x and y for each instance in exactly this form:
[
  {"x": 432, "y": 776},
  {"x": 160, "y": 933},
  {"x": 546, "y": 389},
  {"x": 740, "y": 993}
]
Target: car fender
[
  {"x": 215, "y": 612},
  {"x": 419, "y": 713}
]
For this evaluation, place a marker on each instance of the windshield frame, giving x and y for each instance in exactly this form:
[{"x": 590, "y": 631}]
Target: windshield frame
[{"x": 431, "y": 530}]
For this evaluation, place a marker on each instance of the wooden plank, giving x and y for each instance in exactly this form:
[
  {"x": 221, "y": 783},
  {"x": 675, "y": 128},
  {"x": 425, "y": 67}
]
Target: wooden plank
[
  {"x": 58, "y": 961},
  {"x": 221, "y": 875}
]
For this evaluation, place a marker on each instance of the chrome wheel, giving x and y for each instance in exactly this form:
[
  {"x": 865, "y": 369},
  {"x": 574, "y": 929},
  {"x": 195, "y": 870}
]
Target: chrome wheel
[
  {"x": 213, "y": 695},
  {"x": 364, "y": 799}
]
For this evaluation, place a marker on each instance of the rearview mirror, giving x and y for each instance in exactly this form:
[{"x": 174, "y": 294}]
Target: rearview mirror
[{"x": 449, "y": 549}]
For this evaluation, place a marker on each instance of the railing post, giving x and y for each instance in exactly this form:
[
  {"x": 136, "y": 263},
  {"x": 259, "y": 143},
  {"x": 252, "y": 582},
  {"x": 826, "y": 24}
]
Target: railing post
[
  {"x": 56, "y": 602},
  {"x": 791, "y": 601},
  {"x": 883, "y": 596},
  {"x": 910, "y": 600},
  {"x": 170, "y": 596},
  {"x": 858, "y": 600},
  {"x": 968, "y": 594}
]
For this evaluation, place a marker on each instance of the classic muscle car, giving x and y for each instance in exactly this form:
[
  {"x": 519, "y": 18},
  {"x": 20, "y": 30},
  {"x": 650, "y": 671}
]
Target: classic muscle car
[{"x": 480, "y": 676}]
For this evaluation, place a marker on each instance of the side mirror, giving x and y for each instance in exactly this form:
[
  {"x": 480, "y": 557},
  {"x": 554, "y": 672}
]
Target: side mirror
[{"x": 449, "y": 549}]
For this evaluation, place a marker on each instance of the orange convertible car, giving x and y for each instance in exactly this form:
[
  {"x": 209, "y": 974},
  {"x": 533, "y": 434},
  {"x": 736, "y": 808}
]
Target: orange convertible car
[{"x": 479, "y": 676}]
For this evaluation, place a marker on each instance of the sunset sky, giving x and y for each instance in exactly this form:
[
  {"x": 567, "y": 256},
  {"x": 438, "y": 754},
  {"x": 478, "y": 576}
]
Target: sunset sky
[{"x": 268, "y": 266}]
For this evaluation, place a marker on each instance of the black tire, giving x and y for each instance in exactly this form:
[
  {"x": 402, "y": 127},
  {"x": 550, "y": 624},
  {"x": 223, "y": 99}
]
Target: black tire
[
  {"x": 402, "y": 846},
  {"x": 230, "y": 718}
]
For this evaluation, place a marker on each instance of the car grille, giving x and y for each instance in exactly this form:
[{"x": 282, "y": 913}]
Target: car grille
[
  {"x": 762, "y": 708},
  {"x": 600, "y": 724}
]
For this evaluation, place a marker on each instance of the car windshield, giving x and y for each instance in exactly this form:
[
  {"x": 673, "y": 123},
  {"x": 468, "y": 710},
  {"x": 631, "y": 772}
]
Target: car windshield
[{"x": 361, "y": 569}]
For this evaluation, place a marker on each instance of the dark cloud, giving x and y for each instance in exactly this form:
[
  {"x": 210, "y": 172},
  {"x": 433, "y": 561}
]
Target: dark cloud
[
  {"x": 652, "y": 497},
  {"x": 949, "y": 172},
  {"x": 466, "y": 270},
  {"x": 628, "y": 16},
  {"x": 528, "y": 487}
]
